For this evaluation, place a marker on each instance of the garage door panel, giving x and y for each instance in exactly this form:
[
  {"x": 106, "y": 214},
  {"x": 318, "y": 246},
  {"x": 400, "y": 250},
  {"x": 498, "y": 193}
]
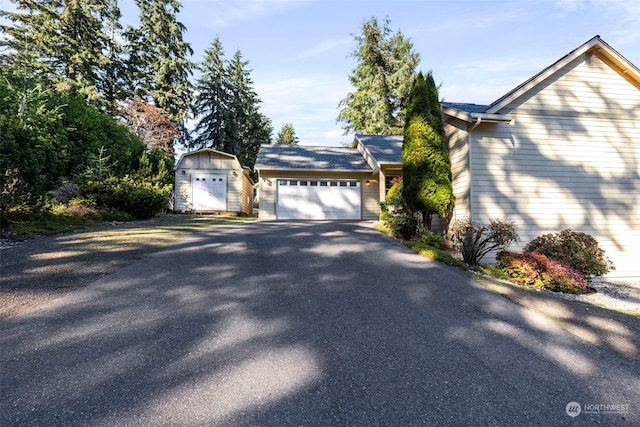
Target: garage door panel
[{"x": 318, "y": 200}]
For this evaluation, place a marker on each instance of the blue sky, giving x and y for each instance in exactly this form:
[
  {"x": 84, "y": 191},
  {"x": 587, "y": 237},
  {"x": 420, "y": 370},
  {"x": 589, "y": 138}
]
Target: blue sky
[{"x": 298, "y": 50}]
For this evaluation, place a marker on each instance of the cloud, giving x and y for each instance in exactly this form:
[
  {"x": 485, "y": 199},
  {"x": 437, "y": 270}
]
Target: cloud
[
  {"x": 224, "y": 13},
  {"x": 325, "y": 46},
  {"x": 308, "y": 101}
]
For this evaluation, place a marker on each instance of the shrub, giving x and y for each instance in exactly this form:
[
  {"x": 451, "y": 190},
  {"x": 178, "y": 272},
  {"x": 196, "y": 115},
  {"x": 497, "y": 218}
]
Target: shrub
[
  {"x": 402, "y": 226},
  {"x": 139, "y": 199},
  {"x": 475, "y": 240},
  {"x": 578, "y": 250},
  {"x": 399, "y": 221},
  {"x": 429, "y": 238},
  {"x": 536, "y": 270}
]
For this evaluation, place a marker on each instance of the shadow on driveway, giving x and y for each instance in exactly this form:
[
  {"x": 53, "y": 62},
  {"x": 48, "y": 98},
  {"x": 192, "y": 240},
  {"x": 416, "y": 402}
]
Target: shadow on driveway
[{"x": 320, "y": 323}]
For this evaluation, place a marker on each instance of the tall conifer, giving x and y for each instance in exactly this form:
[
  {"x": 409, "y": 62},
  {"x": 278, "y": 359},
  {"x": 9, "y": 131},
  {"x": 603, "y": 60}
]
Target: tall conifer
[
  {"x": 382, "y": 79},
  {"x": 426, "y": 167}
]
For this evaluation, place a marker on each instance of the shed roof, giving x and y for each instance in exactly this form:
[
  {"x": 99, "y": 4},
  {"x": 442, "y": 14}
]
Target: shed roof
[
  {"x": 206, "y": 150},
  {"x": 310, "y": 158}
]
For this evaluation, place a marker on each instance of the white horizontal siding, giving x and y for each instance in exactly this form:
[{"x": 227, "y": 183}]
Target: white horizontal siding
[
  {"x": 456, "y": 136},
  {"x": 581, "y": 87},
  {"x": 570, "y": 160}
]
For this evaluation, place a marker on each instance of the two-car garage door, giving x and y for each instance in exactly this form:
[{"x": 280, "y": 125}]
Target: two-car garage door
[{"x": 306, "y": 199}]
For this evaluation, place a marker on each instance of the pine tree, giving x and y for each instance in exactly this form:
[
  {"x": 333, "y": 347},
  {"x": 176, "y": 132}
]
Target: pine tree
[
  {"x": 158, "y": 61},
  {"x": 382, "y": 79},
  {"x": 61, "y": 42},
  {"x": 426, "y": 167},
  {"x": 212, "y": 100},
  {"x": 287, "y": 135},
  {"x": 247, "y": 129},
  {"x": 111, "y": 83},
  {"x": 228, "y": 106}
]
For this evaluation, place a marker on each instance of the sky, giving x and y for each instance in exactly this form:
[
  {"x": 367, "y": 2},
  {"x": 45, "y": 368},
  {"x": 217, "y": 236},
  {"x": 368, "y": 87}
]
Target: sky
[{"x": 299, "y": 50}]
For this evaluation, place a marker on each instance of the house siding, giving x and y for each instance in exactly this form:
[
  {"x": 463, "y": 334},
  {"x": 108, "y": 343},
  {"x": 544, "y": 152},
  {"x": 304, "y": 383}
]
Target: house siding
[
  {"x": 456, "y": 136},
  {"x": 570, "y": 160}
]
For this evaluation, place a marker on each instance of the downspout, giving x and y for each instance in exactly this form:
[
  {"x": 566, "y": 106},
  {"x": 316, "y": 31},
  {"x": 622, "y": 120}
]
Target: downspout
[{"x": 476, "y": 124}]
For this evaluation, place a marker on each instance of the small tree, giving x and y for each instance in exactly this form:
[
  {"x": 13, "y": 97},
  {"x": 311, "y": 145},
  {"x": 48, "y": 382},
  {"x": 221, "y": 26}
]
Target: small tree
[
  {"x": 425, "y": 159},
  {"x": 287, "y": 135},
  {"x": 476, "y": 240}
]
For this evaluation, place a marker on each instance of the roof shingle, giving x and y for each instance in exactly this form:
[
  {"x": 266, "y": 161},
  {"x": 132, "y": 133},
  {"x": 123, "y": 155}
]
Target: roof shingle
[{"x": 301, "y": 157}]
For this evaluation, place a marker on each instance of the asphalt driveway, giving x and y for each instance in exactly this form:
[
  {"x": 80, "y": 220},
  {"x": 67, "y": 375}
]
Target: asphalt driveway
[{"x": 301, "y": 324}]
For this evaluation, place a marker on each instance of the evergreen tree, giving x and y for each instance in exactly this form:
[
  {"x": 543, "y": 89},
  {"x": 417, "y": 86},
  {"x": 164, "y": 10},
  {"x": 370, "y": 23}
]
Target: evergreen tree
[
  {"x": 158, "y": 61},
  {"x": 246, "y": 129},
  {"x": 212, "y": 100},
  {"x": 382, "y": 79},
  {"x": 61, "y": 42},
  {"x": 111, "y": 83},
  {"x": 287, "y": 135},
  {"x": 426, "y": 167}
]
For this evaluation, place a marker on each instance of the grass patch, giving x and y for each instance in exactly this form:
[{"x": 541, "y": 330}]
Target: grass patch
[
  {"x": 434, "y": 253},
  {"x": 25, "y": 224}
]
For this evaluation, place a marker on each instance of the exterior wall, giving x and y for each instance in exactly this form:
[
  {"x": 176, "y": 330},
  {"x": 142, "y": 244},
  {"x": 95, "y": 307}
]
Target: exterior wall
[
  {"x": 457, "y": 144},
  {"x": 570, "y": 160},
  {"x": 247, "y": 195},
  {"x": 267, "y": 192},
  {"x": 211, "y": 163}
]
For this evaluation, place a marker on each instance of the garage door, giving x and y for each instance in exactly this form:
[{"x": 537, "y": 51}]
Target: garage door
[
  {"x": 209, "y": 192},
  {"x": 298, "y": 199}
]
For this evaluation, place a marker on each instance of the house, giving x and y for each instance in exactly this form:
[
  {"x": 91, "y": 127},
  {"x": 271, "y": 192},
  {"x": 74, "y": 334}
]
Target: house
[
  {"x": 307, "y": 182},
  {"x": 209, "y": 180},
  {"x": 562, "y": 150}
]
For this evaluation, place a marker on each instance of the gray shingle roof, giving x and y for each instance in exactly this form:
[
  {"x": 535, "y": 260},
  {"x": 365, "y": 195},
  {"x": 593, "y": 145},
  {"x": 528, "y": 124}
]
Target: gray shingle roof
[
  {"x": 301, "y": 157},
  {"x": 384, "y": 149},
  {"x": 468, "y": 108}
]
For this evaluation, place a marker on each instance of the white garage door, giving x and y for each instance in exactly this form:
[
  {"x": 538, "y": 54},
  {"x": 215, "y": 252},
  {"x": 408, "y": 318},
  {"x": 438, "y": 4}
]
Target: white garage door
[
  {"x": 209, "y": 192},
  {"x": 298, "y": 199}
]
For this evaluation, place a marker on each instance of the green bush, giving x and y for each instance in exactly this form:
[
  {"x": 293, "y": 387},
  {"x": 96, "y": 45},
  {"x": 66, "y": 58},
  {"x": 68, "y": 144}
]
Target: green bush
[
  {"x": 139, "y": 199},
  {"x": 536, "y": 270},
  {"x": 429, "y": 238},
  {"x": 475, "y": 240},
  {"x": 399, "y": 221},
  {"x": 578, "y": 250}
]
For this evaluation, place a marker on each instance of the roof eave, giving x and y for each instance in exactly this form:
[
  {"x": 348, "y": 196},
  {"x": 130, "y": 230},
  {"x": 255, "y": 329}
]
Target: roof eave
[
  {"x": 475, "y": 117},
  {"x": 263, "y": 169}
]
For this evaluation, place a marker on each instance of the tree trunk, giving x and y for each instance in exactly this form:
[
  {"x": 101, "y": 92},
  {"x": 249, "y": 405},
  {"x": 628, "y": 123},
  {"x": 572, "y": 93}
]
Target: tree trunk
[{"x": 426, "y": 220}]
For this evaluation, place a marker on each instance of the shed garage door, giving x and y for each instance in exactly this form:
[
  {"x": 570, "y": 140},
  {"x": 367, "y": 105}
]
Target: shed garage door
[
  {"x": 209, "y": 192},
  {"x": 298, "y": 199}
]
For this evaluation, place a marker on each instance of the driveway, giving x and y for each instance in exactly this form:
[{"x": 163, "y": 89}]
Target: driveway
[{"x": 291, "y": 323}]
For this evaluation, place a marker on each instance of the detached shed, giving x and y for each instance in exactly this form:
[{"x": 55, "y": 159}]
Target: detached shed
[{"x": 209, "y": 180}]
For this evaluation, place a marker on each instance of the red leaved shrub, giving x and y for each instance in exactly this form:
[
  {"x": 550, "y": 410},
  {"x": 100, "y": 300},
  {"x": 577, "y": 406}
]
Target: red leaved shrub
[{"x": 536, "y": 270}]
